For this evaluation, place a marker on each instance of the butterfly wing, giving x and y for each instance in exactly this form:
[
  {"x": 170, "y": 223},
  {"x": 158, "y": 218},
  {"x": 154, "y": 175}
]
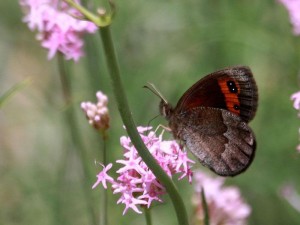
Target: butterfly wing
[
  {"x": 233, "y": 89},
  {"x": 220, "y": 139}
]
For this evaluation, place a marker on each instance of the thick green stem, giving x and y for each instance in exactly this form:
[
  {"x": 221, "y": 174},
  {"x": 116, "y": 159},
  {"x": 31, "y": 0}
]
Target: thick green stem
[
  {"x": 148, "y": 216},
  {"x": 125, "y": 112}
]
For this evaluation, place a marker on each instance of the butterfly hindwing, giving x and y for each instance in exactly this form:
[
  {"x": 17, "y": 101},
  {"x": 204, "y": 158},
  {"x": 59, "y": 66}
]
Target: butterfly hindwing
[{"x": 218, "y": 138}]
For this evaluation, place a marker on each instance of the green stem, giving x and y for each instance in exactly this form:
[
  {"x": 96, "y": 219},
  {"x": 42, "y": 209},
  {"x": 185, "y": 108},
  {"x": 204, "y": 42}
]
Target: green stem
[
  {"x": 13, "y": 90},
  {"x": 99, "y": 20},
  {"x": 148, "y": 216},
  {"x": 104, "y": 214},
  {"x": 75, "y": 136},
  {"x": 125, "y": 112},
  {"x": 205, "y": 207},
  {"x": 61, "y": 172}
]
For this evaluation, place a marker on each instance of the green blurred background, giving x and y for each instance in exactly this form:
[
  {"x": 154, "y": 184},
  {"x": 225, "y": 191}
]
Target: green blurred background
[{"x": 171, "y": 44}]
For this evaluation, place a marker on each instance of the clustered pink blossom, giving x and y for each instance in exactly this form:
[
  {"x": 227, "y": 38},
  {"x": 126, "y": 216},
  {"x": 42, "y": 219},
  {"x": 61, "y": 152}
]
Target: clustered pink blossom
[
  {"x": 296, "y": 98},
  {"x": 57, "y": 28},
  {"x": 293, "y": 7},
  {"x": 225, "y": 204},
  {"x": 136, "y": 183},
  {"x": 298, "y": 146},
  {"x": 97, "y": 114}
]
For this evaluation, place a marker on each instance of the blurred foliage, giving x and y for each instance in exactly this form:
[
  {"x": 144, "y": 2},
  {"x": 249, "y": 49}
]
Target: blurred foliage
[{"x": 171, "y": 44}]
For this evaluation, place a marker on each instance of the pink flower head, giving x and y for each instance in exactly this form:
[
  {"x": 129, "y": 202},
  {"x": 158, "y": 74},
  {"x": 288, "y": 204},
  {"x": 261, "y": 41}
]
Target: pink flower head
[
  {"x": 225, "y": 204},
  {"x": 97, "y": 114},
  {"x": 135, "y": 182},
  {"x": 293, "y": 7},
  {"x": 298, "y": 146},
  {"x": 57, "y": 28},
  {"x": 296, "y": 98}
]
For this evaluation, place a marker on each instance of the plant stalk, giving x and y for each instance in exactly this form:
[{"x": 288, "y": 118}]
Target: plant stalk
[{"x": 126, "y": 116}]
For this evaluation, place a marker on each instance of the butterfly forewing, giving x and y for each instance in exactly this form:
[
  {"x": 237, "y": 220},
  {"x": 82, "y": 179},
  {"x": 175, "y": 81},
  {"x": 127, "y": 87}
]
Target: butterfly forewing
[{"x": 233, "y": 89}]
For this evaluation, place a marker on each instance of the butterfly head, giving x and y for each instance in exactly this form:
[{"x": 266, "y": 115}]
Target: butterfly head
[{"x": 165, "y": 108}]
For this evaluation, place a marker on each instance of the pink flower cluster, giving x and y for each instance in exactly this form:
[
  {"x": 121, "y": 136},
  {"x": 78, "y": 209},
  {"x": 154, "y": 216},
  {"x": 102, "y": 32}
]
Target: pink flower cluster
[
  {"x": 57, "y": 28},
  {"x": 135, "y": 182},
  {"x": 296, "y": 98},
  {"x": 225, "y": 204},
  {"x": 97, "y": 114},
  {"x": 293, "y": 7}
]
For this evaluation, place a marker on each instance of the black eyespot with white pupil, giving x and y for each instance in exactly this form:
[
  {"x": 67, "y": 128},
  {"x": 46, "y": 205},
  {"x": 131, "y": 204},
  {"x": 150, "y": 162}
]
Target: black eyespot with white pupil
[
  {"x": 232, "y": 87},
  {"x": 236, "y": 107}
]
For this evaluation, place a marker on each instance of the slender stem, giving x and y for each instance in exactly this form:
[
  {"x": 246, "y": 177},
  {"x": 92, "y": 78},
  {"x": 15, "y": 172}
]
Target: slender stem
[
  {"x": 104, "y": 197},
  {"x": 148, "y": 216},
  {"x": 13, "y": 90},
  {"x": 125, "y": 112},
  {"x": 205, "y": 207},
  {"x": 75, "y": 136},
  {"x": 61, "y": 172}
]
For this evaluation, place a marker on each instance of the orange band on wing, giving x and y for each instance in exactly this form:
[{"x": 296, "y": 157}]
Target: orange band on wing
[{"x": 231, "y": 89}]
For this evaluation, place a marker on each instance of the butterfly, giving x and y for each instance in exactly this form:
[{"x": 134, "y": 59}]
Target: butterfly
[{"x": 211, "y": 119}]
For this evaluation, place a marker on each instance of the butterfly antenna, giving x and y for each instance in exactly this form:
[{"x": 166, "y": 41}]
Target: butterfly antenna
[
  {"x": 155, "y": 91},
  {"x": 150, "y": 121}
]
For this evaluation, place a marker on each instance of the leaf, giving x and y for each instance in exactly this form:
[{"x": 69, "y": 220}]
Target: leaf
[{"x": 13, "y": 90}]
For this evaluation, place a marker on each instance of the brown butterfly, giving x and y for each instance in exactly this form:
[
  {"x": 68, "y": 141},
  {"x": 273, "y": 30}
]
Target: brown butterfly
[{"x": 211, "y": 118}]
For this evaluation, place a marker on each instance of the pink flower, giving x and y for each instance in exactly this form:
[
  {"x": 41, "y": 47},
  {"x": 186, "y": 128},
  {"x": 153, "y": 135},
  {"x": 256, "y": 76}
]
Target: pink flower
[
  {"x": 296, "y": 98},
  {"x": 293, "y": 7},
  {"x": 57, "y": 28},
  {"x": 225, "y": 204},
  {"x": 103, "y": 177},
  {"x": 298, "y": 146},
  {"x": 97, "y": 114},
  {"x": 136, "y": 183}
]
